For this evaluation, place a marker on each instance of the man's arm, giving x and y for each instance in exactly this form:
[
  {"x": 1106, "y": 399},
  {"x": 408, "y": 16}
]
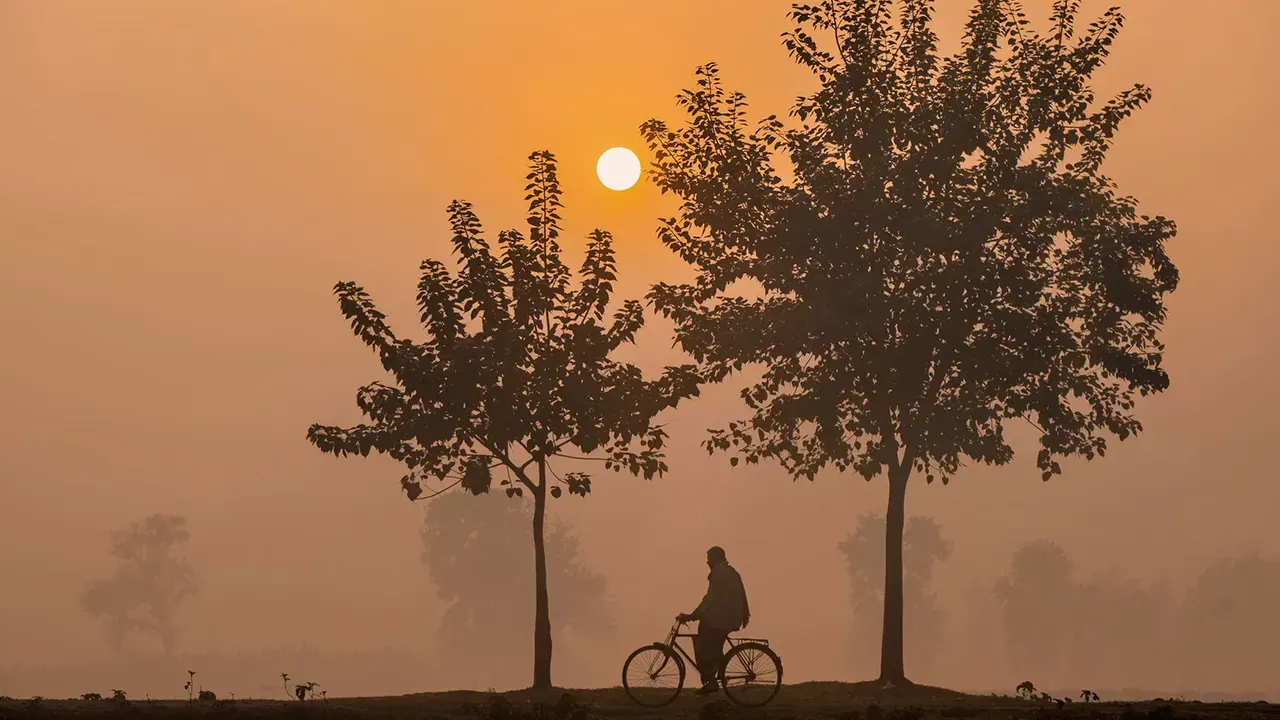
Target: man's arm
[{"x": 713, "y": 591}]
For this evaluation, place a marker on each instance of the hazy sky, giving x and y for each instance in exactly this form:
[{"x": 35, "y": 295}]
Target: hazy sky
[{"x": 181, "y": 184}]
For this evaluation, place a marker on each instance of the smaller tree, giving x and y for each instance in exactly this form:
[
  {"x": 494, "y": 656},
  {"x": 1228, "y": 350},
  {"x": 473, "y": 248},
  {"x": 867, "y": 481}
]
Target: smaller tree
[
  {"x": 514, "y": 374},
  {"x": 149, "y": 584},
  {"x": 1120, "y": 632},
  {"x": 924, "y": 546},
  {"x": 1230, "y": 624},
  {"x": 1037, "y": 597},
  {"x": 472, "y": 547}
]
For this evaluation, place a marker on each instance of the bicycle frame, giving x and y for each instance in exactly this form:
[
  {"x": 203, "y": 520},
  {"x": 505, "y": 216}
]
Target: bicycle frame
[{"x": 673, "y": 642}]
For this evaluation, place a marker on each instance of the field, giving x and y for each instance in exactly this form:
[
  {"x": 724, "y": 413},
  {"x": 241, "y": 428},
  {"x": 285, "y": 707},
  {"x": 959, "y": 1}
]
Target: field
[{"x": 844, "y": 701}]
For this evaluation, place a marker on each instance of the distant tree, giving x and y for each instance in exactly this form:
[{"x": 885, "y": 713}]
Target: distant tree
[
  {"x": 472, "y": 546},
  {"x": 1230, "y": 623},
  {"x": 1119, "y": 632},
  {"x": 1037, "y": 596},
  {"x": 149, "y": 584},
  {"x": 944, "y": 254},
  {"x": 923, "y": 547},
  {"x": 515, "y": 372}
]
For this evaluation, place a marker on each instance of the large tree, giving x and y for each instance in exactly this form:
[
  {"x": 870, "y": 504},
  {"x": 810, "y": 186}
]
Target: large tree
[
  {"x": 932, "y": 251},
  {"x": 514, "y": 373},
  {"x": 150, "y": 582}
]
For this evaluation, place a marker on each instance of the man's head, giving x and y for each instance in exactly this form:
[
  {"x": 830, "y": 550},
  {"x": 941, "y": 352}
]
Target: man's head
[{"x": 715, "y": 556}]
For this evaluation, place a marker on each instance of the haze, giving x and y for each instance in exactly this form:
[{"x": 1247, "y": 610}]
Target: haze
[{"x": 182, "y": 183}]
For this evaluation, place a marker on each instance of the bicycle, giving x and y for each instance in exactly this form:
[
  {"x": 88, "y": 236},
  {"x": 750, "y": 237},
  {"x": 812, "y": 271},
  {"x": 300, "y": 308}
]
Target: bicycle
[{"x": 750, "y": 674}]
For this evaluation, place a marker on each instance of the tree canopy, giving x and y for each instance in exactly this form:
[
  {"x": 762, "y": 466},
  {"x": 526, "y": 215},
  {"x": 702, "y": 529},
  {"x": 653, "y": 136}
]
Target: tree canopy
[{"x": 516, "y": 361}]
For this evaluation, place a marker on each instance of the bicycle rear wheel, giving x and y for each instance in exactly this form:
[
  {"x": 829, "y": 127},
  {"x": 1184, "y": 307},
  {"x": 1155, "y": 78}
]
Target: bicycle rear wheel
[
  {"x": 653, "y": 676},
  {"x": 751, "y": 674}
]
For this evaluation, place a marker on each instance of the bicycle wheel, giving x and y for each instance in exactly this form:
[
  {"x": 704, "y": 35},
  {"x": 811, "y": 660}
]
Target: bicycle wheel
[
  {"x": 653, "y": 676},
  {"x": 751, "y": 674}
]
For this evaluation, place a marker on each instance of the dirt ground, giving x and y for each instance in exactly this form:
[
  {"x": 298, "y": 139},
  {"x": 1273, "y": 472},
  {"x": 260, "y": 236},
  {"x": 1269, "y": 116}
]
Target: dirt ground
[{"x": 831, "y": 701}]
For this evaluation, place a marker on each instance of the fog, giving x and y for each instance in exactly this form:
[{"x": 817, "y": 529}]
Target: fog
[{"x": 181, "y": 184}]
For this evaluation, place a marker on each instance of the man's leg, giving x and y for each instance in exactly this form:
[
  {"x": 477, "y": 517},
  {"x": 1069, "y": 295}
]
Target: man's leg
[{"x": 708, "y": 652}]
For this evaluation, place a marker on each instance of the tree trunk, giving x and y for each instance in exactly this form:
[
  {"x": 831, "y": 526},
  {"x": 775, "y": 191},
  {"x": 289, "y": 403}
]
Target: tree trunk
[
  {"x": 542, "y": 615},
  {"x": 891, "y": 664}
]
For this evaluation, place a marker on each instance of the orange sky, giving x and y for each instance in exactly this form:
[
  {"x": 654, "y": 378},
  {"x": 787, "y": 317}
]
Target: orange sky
[{"x": 182, "y": 183}]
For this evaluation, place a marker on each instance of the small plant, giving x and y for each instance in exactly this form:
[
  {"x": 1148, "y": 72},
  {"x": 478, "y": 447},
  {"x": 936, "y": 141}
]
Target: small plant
[
  {"x": 206, "y": 696},
  {"x": 285, "y": 678},
  {"x": 119, "y": 695},
  {"x": 190, "y": 686},
  {"x": 1088, "y": 696},
  {"x": 1026, "y": 690},
  {"x": 91, "y": 696},
  {"x": 306, "y": 691}
]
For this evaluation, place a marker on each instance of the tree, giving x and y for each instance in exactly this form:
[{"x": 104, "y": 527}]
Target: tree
[
  {"x": 1037, "y": 597},
  {"x": 943, "y": 256},
  {"x": 149, "y": 584},
  {"x": 1120, "y": 631},
  {"x": 515, "y": 372},
  {"x": 1229, "y": 623},
  {"x": 468, "y": 547},
  {"x": 923, "y": 547}
]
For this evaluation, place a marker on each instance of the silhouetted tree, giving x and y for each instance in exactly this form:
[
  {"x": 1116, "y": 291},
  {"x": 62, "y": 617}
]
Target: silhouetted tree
[
  {"x": 515, "y": 371},
  {"x": 1230, "y": 622},
  {"x": 944, "y": 255},
  {"x": 1119, "y": 630},
  {"x": 1037, "y": 598},
  {"x": 149, "y": 584},
  {"x": 923, "y": 547},
  {"x": 470, "y": 546}
]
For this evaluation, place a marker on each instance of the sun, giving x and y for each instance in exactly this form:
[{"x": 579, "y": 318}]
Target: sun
[{"x": 618, "y": 168}]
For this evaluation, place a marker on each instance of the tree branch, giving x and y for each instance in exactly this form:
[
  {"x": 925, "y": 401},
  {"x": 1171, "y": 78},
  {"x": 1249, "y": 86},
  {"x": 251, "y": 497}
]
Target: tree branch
[
  {"x": 506, "y": 460},
  {"x": 579, "y": 457},
  {"x": 442, "y": 490}
]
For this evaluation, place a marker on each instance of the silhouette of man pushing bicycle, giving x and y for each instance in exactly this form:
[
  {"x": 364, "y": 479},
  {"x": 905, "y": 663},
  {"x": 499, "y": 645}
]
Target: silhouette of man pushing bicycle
[{"x": 723, "y": 610}]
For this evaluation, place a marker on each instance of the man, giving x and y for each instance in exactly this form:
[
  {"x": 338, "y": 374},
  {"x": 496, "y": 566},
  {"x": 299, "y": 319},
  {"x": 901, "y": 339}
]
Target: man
[{"x": 722, "y": 610}]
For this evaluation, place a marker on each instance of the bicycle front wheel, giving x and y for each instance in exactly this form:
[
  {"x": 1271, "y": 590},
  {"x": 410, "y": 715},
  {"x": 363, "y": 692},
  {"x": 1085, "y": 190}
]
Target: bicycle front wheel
[
  {"x": 751, "y": 674},
  {"x": 653, "y": 676}
]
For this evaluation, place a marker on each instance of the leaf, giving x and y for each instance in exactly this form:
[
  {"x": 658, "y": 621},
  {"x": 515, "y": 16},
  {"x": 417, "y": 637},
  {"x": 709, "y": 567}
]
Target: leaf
[
  {"x": 578, "y": 483},
  {"x": 555, "y": 492},
  {"x": 411, "y": 487},
  {"x": 477, "y": 477}
]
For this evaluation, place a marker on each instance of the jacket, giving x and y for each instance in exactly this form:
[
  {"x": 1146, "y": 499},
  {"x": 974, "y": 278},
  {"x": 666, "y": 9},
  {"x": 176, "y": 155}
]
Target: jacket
[{"x": 724, "y": 607}]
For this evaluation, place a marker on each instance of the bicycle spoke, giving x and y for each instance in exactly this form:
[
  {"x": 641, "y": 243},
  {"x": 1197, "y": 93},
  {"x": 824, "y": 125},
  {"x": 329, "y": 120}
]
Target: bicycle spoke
[
  {"x": 653, "y": 670},
  {"x": 750, "y": 675},
  {"x": 743, "y": 666}
]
